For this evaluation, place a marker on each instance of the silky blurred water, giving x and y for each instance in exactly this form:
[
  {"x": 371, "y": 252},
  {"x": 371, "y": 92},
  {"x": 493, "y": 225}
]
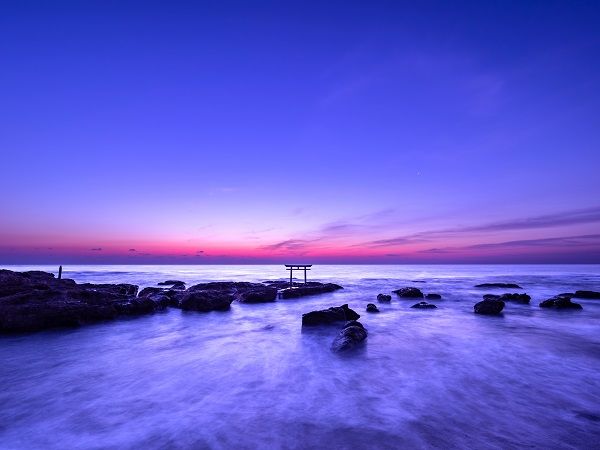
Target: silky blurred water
[{"x": 252, "y": 378}]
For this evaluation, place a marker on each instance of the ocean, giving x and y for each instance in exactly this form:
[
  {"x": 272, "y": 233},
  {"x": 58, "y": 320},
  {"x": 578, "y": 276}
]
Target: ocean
[{"x": 252, "y": 378}]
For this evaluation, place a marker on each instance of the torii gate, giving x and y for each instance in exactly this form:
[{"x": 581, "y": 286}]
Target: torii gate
[{"x": 292, "y": 267}]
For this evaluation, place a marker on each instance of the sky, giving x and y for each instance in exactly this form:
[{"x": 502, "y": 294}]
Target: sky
[{"x": 299, "y": 132}]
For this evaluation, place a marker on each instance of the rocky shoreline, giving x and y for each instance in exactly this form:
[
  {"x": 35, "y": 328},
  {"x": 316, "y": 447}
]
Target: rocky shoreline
[{"x": 35, "y": 300}]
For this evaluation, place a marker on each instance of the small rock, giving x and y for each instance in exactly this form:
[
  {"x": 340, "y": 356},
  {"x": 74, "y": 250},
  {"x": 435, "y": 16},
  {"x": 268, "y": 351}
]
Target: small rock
[
  {"x": 517, "y": 298},
  {"x": 371, "y": 307},
  {"x": 409, "y": 292},
  {"x": 433, "y": 296},
  {"x": 489, "y": 307},
  {"x": 423, "y": 305},
  {"x": 384, "y": 298},
  {"x": 349, "y": 337}
]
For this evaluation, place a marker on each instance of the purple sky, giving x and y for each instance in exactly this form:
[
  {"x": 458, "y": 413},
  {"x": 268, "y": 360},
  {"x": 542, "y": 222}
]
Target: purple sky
[{"x": 226, "y": 132}]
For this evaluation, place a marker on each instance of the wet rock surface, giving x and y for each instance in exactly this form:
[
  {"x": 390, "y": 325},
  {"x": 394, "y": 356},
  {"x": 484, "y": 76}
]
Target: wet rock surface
[
  {"x": 516, "y": 298},
  {"x": 330, "y": 315},
  {"x": 349, "y": 337},
  {"x": 423, "y": 305},
  {"x": 409, "y": 292},
  {"x": 175, "y": 284},
  {"x": 310, "y": 288},
  {"x": 489, "y": 307},
  {"x": 31, "y": 301},
  {"x": 384, "y": 298},
  {"x": 560, "y": 302},
  {"x": 372, "y": 308}
]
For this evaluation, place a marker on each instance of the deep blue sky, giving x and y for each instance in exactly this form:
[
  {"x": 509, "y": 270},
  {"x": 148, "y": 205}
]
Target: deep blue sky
[{"x": 268, "y": 131}]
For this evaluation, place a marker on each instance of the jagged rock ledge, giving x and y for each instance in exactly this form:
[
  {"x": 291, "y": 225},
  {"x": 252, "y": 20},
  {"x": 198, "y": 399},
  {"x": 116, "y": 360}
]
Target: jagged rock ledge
[{"x": 35, "y": 300}]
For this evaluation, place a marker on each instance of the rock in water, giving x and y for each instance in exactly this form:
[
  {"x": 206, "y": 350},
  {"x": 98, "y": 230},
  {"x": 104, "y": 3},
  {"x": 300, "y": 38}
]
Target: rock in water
[
  {"x": 560, "y": 302},
  {"x": 587, "y": 294},
  {"x": 32, "y": 301},
  {"x": 384, "y": 298},
  {"x": 325, "y": 316},
  {"x": 517, "y": 298},
  {"x": 433, "y": 296},
  {"x": 423, "y": 305},
  {"x": 371, "y": 307},
  {"x": 205, "y": 301},
  {"x": 258, "y": 295},
  {"x": 351, "y": 335},
  {"x": 489, "y": 307},
  {"x": 408, "y": 292},
  {"x": 310, "y": 288},
  {"x": 499, "y": 285}
]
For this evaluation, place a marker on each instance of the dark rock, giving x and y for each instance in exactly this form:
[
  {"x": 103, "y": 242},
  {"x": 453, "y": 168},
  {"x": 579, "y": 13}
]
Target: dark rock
[
  {"x": 587, "y": 294},
  {"x": 258, "y": 295},
  {"x": 349, "y": 337},
  {"x": 517, "y": 298},
  {"x": 175, "y": 284},
  {"x": 31, "y": 301},
  {"x": 433, "y": 297},
  {"x": 491, "y": 296},
  {"x": 309, "y": 289},
  {"x": 371, "y": 307},
  {"x": 489, "y": 307},
  {"x": 325, "y": 316},
  {"x": 559, "y": 302},
  {"x": 409, "y": 292},
  {"x": 119, "y": 289},
  {"x": 384, "y": 298},
  {"x": 423, "y": 305},
  {"x": 206, "y": 300},
  {"x": 150, "y": 291},
  {"x": 499, "y": 285}
]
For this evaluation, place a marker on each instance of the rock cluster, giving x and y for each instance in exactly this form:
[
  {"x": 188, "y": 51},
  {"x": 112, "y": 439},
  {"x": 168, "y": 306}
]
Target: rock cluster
[{"x": 384, "y": 298}]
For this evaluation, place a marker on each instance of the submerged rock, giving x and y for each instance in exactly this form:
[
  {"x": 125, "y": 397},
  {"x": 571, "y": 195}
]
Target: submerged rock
[
  {"x": 371, "y": 307},
  {"x": 587, "y": 294},
  {"x": 384, "y": 298},
  {"x": 310, "y": 288},
  {"x": 408, "y": 292},
  {"x": 489, "y": 307},
  {"x": 499, "y": 285},
  {"x": 330, "y": 315},
  {"x": 423, "y": 305},
  {"x": 349, "y": 337},
  {"x": 433, "y": 297},
  {"x": 560, "y": 302},
  {"x": 517, "y": 298}
]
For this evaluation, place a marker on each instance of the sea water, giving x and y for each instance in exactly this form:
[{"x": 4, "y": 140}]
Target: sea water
[{"x": 252, "y": 378}]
